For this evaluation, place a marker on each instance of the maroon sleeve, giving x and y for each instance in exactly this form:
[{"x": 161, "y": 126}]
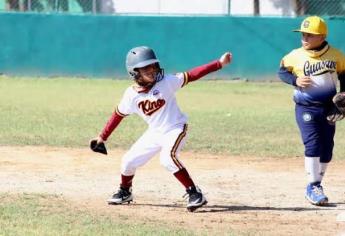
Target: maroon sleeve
[
  {"x": 112, "y": 123},
  {"x": 200, "y": 71}
]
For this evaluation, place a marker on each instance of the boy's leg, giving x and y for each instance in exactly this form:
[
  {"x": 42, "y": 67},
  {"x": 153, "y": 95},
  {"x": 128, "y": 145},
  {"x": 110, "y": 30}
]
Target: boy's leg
[
  {"x": 327, "y": 143},
  {"x": 172, "y": 143},
  {"x": 139, "y": 154},
  {"x": 309, "y": 120}
]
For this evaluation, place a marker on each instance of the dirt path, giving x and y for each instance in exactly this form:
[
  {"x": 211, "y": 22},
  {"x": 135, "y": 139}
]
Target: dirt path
[{"x": 260, "y": 196}]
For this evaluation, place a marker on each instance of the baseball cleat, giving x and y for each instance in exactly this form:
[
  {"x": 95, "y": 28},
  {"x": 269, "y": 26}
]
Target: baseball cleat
[
  {"x": 314, "y": 194},
  {"x": 122, "y": 196},
  {"x": 196, "y": 199}
]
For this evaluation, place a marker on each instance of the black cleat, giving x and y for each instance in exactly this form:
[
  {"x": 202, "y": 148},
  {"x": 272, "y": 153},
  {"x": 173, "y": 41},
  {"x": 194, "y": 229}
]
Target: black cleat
[
  {"x": 196, "y": 199},
  {"x": 122, "y": 196}
]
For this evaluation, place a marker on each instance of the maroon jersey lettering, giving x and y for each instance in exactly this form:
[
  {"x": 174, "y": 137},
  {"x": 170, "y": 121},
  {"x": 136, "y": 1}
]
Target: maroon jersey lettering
[{"x": 150, "y": 107}]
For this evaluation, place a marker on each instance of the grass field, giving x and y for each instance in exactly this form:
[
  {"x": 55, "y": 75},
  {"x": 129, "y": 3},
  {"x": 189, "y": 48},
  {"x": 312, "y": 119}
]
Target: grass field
[
  {"x": 36, "y": 215},
  {"x": 229, "y": 118},
  {"x": 232, "y": 118}
]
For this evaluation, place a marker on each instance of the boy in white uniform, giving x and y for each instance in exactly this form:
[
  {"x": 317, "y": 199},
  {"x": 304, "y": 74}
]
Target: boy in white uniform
[{"x": 153, "y": 99}]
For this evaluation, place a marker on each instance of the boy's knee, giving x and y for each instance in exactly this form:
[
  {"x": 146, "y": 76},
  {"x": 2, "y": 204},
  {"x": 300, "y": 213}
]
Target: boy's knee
[
  {"x": 128, "y": 168},
  {"x": 171, "y": 167}
]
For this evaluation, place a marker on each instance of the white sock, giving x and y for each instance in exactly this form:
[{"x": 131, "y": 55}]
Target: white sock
[
  {"x": 323, "y": 167},
  {"x": 312, "y": 167}
]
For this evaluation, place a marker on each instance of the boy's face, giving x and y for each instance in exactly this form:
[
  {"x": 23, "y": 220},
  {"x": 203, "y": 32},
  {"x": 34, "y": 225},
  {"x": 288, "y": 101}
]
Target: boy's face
[
  {"x": 148, "y": 74},
  {"x": 311, "y": 41}
]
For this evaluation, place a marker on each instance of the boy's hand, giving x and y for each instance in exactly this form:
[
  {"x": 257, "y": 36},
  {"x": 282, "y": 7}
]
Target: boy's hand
[
  {"x": 97, "y": 145},
  {"x": 304, "y": 81},
  {"x": 225, "y": 59}
]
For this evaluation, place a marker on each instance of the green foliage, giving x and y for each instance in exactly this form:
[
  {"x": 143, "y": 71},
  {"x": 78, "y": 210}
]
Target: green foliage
[
  {"x": 52, "y": 215},
  {"x": 234, "y": 118}
]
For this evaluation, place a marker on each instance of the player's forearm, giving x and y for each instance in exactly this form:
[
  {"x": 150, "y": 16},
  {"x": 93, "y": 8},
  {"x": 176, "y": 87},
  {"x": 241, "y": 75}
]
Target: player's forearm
[
  {"x": 287, "y": 76},
  {"x": 112, "y": 123},
  {"x": 200, "y": 71}
]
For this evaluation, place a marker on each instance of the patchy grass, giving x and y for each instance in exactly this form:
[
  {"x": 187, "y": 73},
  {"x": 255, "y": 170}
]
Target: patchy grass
[{"x": 235, "y": 118}]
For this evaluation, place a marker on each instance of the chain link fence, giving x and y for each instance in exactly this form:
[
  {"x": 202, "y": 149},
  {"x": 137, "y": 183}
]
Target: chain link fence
[
  {"x": 320, "y": 7},
  {"x": 58, "y": 6},
  {"x": 256, "y": 7}
]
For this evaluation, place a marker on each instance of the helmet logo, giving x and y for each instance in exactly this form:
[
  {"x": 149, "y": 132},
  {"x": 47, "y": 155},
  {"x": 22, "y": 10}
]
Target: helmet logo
[{"x": 306, "y": 24}]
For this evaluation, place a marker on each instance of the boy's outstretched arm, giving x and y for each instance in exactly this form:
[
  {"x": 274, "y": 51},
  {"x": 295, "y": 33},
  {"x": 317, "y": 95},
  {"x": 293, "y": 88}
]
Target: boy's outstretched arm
[{"x": 200, "y": 71}]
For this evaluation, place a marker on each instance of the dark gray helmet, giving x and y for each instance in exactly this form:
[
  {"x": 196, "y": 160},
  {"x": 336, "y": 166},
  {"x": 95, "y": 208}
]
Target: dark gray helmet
[{"x": 139, "y": 57}]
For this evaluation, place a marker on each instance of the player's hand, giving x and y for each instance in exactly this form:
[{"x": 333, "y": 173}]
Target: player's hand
[
  {"x": 303, "y": 81},
  {"x": 225, "y": 59},
  {"x": 97, "y": 145},
  {"x": 98, "y": 139}
]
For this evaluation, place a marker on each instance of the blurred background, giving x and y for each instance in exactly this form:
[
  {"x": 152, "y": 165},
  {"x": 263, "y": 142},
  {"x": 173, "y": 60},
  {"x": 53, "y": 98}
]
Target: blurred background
[
  {"x": 214, "y": 7},
  {"x": 90, "y": 38}
]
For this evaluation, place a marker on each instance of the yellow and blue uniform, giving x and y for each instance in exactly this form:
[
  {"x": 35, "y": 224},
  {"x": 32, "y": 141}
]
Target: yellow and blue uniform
[
  {"x": 317, "y": 67},
  {"x": 325, "y": 66},
  {"x": 327, "y": 61}
]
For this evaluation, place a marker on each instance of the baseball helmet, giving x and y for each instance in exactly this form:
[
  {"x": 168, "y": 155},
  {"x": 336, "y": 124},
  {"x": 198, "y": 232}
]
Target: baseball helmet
[{"x": 140, "y": 57}]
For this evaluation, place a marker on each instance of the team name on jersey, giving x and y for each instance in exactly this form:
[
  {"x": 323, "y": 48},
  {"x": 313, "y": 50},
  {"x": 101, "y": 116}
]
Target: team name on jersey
[
  {"x": 316, "y": 68},
  {"x": 150, "y": 107}
]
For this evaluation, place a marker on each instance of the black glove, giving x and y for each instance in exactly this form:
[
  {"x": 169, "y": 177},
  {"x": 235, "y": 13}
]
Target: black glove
[
  {"x": 98, "y": 147},
  {"x": 334, "y": 115},
  {"x": 339, "y": 102},
  {"x": 338, "y": 111}
]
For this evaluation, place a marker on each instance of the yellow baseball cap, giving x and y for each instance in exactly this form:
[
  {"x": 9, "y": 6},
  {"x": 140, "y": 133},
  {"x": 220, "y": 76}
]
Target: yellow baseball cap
[{"x": 313, "y": 25}]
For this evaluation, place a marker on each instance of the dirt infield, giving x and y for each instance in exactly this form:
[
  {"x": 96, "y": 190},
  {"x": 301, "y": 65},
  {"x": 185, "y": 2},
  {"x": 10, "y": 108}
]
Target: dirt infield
[{"x": 251, "y": 195}]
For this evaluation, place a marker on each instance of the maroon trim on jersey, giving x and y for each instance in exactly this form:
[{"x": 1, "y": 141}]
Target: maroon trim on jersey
[
  {"x": 185, "y": 79},
  {"x": 112, "y": 123},
  {"x": 176, "y": 145},
  {"x": 200, "y": 71},
  {"x": 119, "y": 113},
  {"x": 126, "y": 181}
]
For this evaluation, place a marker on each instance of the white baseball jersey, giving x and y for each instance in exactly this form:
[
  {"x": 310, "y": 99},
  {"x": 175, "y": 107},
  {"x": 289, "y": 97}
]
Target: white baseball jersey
[
  {"x": 158, "y": 107},
  {"x": 167, "y": 124}
]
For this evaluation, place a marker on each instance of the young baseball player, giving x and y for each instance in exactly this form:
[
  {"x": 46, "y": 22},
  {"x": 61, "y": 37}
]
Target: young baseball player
[
  {"x": 153, "y": 99},
  {"x": 314, "y": 70}
]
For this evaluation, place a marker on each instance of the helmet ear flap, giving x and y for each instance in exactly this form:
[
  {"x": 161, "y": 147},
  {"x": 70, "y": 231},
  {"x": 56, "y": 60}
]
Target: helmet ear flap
[{"x": 160, "y": 74}]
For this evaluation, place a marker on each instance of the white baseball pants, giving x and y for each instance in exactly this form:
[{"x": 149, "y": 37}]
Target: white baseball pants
[{"x": 149, "y": 144}]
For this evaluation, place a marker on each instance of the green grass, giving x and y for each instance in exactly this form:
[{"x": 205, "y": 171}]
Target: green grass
[
  {"x": 52, "y": 215},
  {"x": 231, "y": 118}
]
